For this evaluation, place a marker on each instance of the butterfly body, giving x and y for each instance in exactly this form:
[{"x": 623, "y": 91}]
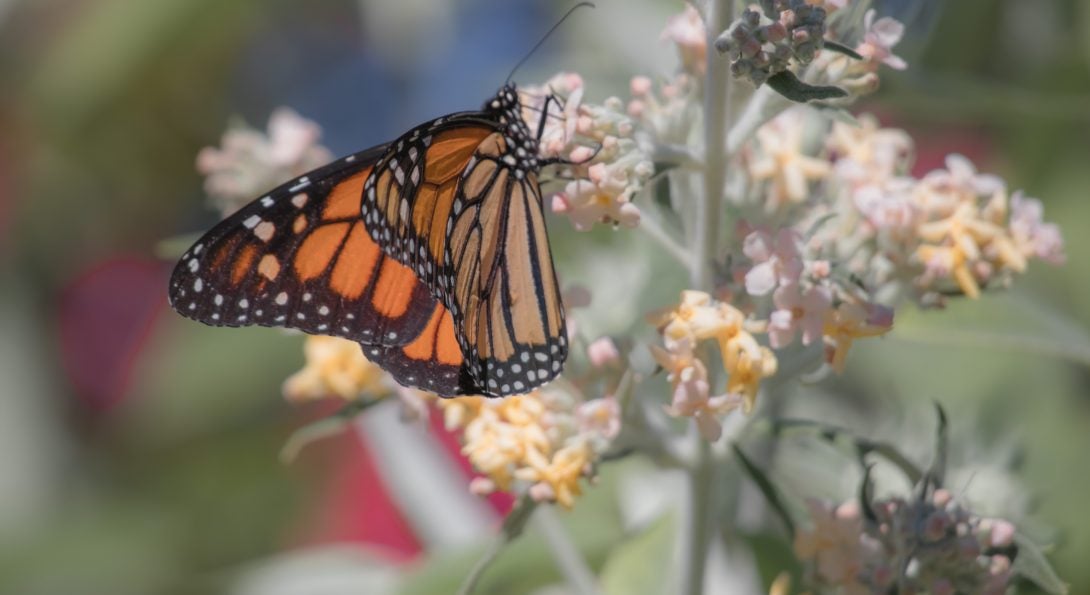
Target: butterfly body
[{"x": 429, "y": 251}]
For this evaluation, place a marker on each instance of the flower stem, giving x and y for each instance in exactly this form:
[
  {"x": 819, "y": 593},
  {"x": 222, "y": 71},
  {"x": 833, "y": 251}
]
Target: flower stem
[
  {"x": 697, "y": 521},
  {"x": 512, "y": 528},
  {"x": 565, "y": 553},
  {"x": 698, "y": 515},
  {"x": 655, "y": 230},
  {"x": 708, "y": 209}
]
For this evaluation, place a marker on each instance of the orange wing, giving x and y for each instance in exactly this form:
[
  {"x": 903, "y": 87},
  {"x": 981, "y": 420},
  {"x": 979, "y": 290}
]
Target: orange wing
[
  {"x": 301, "y": 258},
  {"x": 433, "y": 361}
]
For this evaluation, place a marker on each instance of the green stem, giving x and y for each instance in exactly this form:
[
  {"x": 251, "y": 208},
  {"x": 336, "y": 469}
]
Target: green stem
[
  {"x": 710, "y": 205},
  {"x": 697, "y": 519},
  {"x": 566, "y": 555},
  {"x": 512, "y": 527},
  {"x": 698, "y": 514},
  {"x": 654, "y": 230}
]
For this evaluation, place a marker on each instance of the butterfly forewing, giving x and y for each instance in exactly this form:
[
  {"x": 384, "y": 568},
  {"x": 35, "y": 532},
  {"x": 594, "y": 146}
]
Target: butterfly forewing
[{"x": 300, "y": 257}]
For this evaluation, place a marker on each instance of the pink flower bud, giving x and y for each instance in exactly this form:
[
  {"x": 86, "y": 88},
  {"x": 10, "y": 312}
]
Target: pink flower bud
[
  {"x": 1002, "y": 533},
  {"x": 581, "y": 154},
  {"x": 603, "y": 352},
  {"x": 640, "y": 86},
  {"x": 560, "y": 203},
  {"x": 481, "y": 486}
]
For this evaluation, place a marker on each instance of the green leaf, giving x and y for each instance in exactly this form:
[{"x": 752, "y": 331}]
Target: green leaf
[
  {"x": 787, "y": 84},
  {"x": 1032, "y": 564},
  {"x": 836, "y": 114},
  {"x": 938, "y": 467},
  {"x": 771, "y": 494},
  {"x": 635, "y": 566},
  {"x": 862, "y": 446},
  {"x": 842, "y": 49}
]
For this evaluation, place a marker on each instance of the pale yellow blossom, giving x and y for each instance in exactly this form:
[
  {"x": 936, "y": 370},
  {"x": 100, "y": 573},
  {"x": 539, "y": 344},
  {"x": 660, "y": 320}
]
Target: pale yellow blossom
[
  {"x": 559, "y": 474},
  {"x": 336, "y": 368},
  {"x": 851, "y": 321},
  {"x": 781, "y": 162}
]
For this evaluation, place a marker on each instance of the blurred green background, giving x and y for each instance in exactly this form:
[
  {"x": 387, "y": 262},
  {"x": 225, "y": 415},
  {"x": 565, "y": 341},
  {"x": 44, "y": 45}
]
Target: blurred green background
[{"x": 138, "y": 451}]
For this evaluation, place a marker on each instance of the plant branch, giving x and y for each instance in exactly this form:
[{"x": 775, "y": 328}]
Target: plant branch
[
  {"x": 654, "y": 230},
  {"x": 568, "y": 560},
  {"x": 512, "y": 527},
  {"x": 710, "y": 205}
]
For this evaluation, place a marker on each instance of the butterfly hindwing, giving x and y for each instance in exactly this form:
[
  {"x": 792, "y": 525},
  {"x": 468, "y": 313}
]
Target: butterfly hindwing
[
  {"x": 503, "y": 288},
  {"x": 432, "y": 361},
  {"x": 300, "y": 257}
]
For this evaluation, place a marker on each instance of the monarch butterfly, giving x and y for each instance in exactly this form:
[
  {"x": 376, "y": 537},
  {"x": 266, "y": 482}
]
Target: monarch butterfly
[{"x": 430, "y": 251}]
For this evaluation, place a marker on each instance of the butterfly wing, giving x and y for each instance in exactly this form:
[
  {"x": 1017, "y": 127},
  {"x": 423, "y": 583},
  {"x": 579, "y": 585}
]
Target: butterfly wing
[
  {"x": 301, "y": 258},
  {"x": 432, "y": 361},
  {"x": 415, "y": 187},
  {"x": 501, "y": 285},
  {"x": 457, "y": 200}
]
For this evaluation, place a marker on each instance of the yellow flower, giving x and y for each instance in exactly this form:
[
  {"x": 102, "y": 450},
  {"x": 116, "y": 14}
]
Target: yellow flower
[
  {"x": 699, "y": 317},
  {"x": 746, "y": 363},
  {"x": 558, "y": 475},
  {"x": 458, "y": 412},
  {"x": 497, "y": 448},
  {"x": 503, "y": 434},
  {"x": 853, "y": 321},
  {"x": 781, "y": 586},
  {"x": 336, "y": 367}
]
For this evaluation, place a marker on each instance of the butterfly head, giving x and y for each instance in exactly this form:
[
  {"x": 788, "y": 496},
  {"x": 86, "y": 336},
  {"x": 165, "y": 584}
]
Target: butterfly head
[{"x": 506, "y": 108}]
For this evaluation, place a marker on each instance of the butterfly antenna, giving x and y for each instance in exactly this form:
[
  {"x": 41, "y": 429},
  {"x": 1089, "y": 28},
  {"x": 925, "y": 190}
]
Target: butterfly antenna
[{"x": 546, "y": 36}]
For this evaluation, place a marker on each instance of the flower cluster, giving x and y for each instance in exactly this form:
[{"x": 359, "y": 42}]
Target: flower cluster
[
  {"x": 952, "y": 231},
  {"x": 929, "y": 545},
  {"x": 791, "y": 30},
  {"x": 778, "y": 163},
  {"x": 698, "y": 318},
  {"x": 606, "y": 163},
  {"x": 807, "y": 302},
  {"x": 250, "y": 162},
  {"x": 860, "y": 77},
  {"x": 545, "y": 441},
  {"x": 336, "y": 368}
]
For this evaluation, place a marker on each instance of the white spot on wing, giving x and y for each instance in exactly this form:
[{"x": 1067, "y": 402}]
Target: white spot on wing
[{"x": 303, "y": 183}]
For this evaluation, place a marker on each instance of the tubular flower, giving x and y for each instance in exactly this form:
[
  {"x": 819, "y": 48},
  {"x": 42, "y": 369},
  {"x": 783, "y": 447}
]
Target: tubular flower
[
  {"x": 605, "y": 177},
  {"x": 697, "y": 318},
  {"x": 541, "y": 442},
  {"x": 777, "y": 260},
  {"x": 250, "y": 161},
  {"x": 781, "y": 162},
  {"x": 851, "y": 321},
  {"x": 687, "y": 32},
  {"x": 336, "y": 367},
  {"x": 796, "y": 311}
]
